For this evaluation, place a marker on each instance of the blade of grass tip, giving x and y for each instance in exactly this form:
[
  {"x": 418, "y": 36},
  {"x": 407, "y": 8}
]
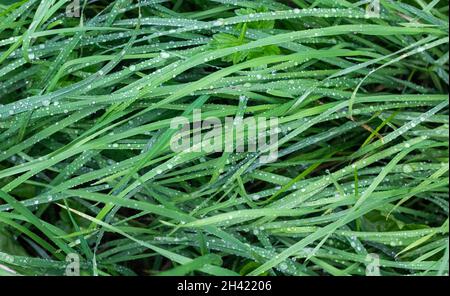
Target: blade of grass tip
[
  {"x": 301, "y": 176},
  {"x": 416, "y": 243},
  {"x": 444, "y": 261},
  {"x": 348, "y": 70},
  {"x": 358, "y": 207},
  {"x": 355, "y": 174},
  {"x": 401, "y": 57}
]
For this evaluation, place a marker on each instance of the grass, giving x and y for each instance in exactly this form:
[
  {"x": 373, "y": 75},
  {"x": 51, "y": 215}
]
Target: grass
[{"x": 86, "y": 166}]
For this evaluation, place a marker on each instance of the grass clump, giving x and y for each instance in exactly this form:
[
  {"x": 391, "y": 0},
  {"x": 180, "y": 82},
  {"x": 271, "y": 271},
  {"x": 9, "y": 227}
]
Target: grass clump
[{"x": 86, "y": 168}]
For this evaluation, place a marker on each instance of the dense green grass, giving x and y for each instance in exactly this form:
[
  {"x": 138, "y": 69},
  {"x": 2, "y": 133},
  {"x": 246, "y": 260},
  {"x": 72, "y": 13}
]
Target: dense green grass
[{"x": 86, "y": 167}]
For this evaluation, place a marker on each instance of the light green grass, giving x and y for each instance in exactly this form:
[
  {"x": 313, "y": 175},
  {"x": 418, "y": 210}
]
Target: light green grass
[{"x": 86, "y": 166}]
